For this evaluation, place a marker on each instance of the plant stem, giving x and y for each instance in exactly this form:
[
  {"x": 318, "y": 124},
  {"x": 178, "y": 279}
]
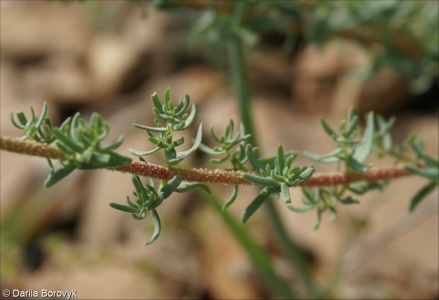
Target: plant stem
[
  {"x": 242, "y": 90},
  {"x": 255, "y": 252},
  {"x": 17, "y": 145}
]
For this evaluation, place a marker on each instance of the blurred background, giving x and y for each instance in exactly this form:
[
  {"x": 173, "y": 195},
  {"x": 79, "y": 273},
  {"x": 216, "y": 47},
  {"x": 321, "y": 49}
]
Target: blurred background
[{"x": 306, "y": 59}]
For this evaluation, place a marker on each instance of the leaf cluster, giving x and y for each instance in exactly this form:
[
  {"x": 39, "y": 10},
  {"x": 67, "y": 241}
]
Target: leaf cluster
[
  {"x": 148, "y": 199},
  {"x": 37, "y": 129},
  {"x": 169, "y": 118},
  {"x": 354, "y": 146},
  {"x": 350, "y": 151},
  {"x": 80, "y": 142},
  {"x": 276, "y": 175},
  {"x": 175, "y": 119}
]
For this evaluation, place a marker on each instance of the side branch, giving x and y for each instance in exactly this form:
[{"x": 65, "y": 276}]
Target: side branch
[{"x": 19, "y": 146}]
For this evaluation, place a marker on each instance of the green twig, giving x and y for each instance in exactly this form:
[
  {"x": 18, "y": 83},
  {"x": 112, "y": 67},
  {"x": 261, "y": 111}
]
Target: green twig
[{"x": 256, "y": 254}]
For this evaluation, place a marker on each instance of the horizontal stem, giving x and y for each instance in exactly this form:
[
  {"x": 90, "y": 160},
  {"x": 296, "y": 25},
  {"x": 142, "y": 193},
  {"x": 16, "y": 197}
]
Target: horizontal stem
[{"x": 19, "y": 146}]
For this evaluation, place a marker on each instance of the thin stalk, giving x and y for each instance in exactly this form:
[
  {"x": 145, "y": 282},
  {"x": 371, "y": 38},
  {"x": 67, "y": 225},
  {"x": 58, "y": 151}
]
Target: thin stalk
[
  {"x": 255, "y": 252},
  {"x": 242, "y": 90}
]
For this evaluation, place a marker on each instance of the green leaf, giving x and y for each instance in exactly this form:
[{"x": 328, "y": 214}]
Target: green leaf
[
  {"x": 278, "y": 178},
  {"x": 141, "y": 216},
  {"x": 280, "y": 158},
  {"x": 143, "y": 153},
  {"x": 251, "y": 155},
  {"x": 353, "y": 123},
  {"x": 58, "y": 175},
  {"x": 384, "y": 131},
  {"x": 155, "y": 129},
  {"x": 156, "y": 102},
  {"x": 365, "y": 149},
  {"x": 209, "y": 150},
  {"x": 422, "y": 194},
  {"x": 124, "y": 208},
  {"x": 285, "y": 193},
  {"x": 157, "y": 227},
  {"x": 362, "y": 187},
  {"x": 117, "y": 159},
  {"x": 113, "y": 145},
  {"x": 184, "y": 154},
  {"x": 140, "y": 190},
  {"x": 255, "y": 204},
  {"x": 189, "y": 186},
  {"x": 328, "y": 129},
  {"x": 430, "y": 161},
  {"x": 231, "y": 199},
  {"x": 264, "y": 181},
  {"x": 43, "y": 115},
  {"x": 306, "y": 174},
  {"x": 356, "y": 166},
  {"x": 348, "y": 200},
  {"x": 183, "y": 105},
  {"x": 331, "y": 157},
  {"x": 219, "y": 161},
  {"x": 67, "y": 141},
  {"x": 65, "y": 126},
  {"x": 191, "y": 117},
  {"x": 309, "y": 195},
  {"x": 23, "y": 120},
  {"x": 319, "y": 219},
  {"x": 170, "y": 187},
  {"x": 430, "y": 173},
  {"x": 301, "y": 209}
]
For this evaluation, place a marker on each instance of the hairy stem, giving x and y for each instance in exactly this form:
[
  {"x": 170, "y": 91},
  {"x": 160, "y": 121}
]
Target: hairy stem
[{"x": 16, "y": 145}]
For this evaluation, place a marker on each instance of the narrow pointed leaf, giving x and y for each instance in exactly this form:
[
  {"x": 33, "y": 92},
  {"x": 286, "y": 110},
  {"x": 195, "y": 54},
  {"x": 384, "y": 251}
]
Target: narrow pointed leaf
[
  {"x": 156, "y": 129},
  {"x": 255, "y": 204},
  {"x": 43, "y": 115},
  {"x": 184, "y": 154},
  {"x": 331, "y": 157},
  {"x": 301, "y": 209},
  {"x": 328, "y": 129},
  {"x": 349, "y": 200},
  {"x": 253, "y": 159},
  {"x": 156, "y": 102},
  {"x": 113, "y": 145},
  {"x": 280, "y": 158},
  {"x": 125, "y": 208},
  {"x": 356, "y": 166},
  {"x": 189, "y": 186},
  {"x": 422, "y": 194},
  {"x": 430, "y": 173},
  {"x": 365, "y": 149},
  {"x": 170, "y": 187},
  {"x": 184, "y": 105},
  {"x": 286, "y": 194},
  {"x": 231, "y": 199},
  {"x": 157, "y": 227},
  {"x": 58, "y": 175},
  {"x": 306, "y": 174},
  {"x": 264, "y": 181},
  {"x": 67, "y": 141}
]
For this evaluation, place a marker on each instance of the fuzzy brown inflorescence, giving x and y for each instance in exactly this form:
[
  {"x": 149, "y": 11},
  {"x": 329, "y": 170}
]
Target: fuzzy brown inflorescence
[{"x": 19, "y": 146}]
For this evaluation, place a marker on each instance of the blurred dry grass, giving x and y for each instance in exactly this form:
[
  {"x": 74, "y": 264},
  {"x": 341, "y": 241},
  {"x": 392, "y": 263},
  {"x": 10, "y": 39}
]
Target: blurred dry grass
[{"x": 99, "y": 56}]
